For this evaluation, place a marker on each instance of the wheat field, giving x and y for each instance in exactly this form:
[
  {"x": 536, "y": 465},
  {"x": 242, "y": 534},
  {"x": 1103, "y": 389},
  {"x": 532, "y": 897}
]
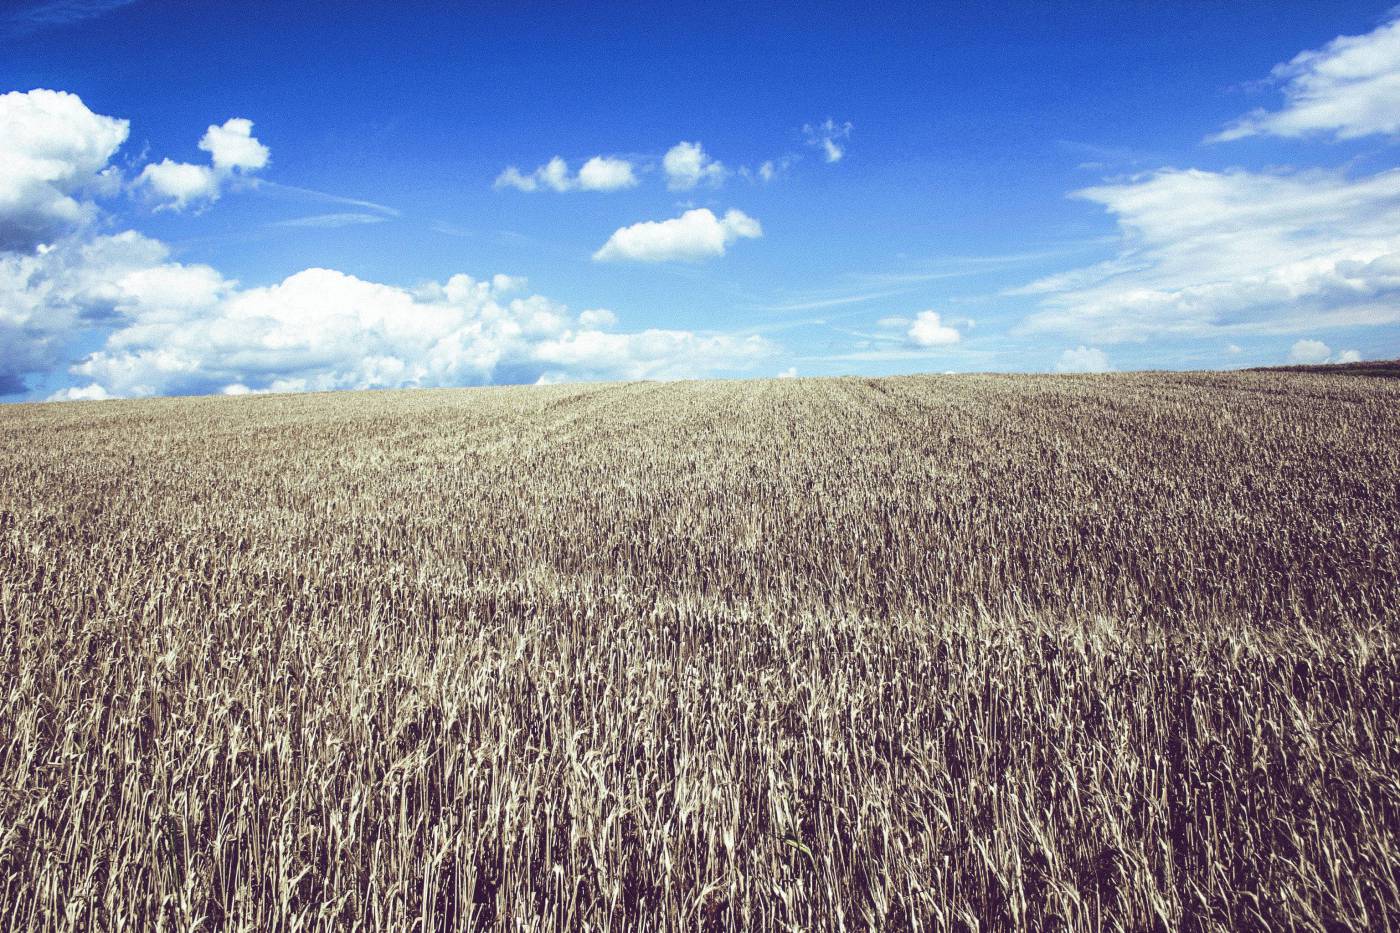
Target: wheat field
[{"x": 927, "y": 653}]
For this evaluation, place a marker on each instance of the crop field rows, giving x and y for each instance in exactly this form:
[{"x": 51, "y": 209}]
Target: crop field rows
[{"x": 975, "y": 652}]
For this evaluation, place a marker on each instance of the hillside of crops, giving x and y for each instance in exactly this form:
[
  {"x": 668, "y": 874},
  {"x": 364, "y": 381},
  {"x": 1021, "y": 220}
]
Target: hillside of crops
[
  {"x": 947, "y": 652},
  {"x": 1381, "y": 369}
]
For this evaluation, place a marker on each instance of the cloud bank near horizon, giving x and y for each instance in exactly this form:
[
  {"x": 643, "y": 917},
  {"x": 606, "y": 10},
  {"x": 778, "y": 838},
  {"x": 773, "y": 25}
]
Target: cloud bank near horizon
[{"x": 166, "y": 327}]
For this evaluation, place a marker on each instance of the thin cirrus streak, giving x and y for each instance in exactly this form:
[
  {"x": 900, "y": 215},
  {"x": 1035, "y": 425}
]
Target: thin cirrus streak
[
  {"x": 331, "y": 220},
  {"x": 58, "y": 13}
]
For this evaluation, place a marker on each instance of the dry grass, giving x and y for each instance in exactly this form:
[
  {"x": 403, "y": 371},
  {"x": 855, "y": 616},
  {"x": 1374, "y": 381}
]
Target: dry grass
[{"x": 1109, "y": 652}]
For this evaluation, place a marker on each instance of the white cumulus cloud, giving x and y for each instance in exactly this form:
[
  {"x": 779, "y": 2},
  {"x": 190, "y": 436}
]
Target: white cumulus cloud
[
  {"x": 322, "y": 329},
  {"x": 233, "y": 151},
  {"x": 1348, "y": 88},
  {"x": 596, "y": 319},
  {"x": 696, "y": 234},
  {"x": 600, "y": 173},
  {"x": 1309, "y": 351},
  {"x": 232, "y": 147},
  {"x": 166, "y": 327},
  {"x": 928, "y": 330},
  {"x": 1315, "y": 351},
  {"x": 649, "y": 354},
  {"x": 512, "y": 177},
  {"x": 687, "y": 165},
  {"x": 606, "y": 174},
  {"x": 50, "y": 294},
  {"x": 178, "y": 184},
  {"x": 1083, "y": 359},
  {"x": 53, "y": 152},
  {"x": 87, "y": 393}
]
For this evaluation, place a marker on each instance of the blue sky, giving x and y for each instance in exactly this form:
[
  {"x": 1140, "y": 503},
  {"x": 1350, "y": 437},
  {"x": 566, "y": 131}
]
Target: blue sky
[{"x": 243, "y": 197}]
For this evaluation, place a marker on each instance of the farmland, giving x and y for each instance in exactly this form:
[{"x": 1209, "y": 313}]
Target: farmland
[{"x": 974, "y": 652}]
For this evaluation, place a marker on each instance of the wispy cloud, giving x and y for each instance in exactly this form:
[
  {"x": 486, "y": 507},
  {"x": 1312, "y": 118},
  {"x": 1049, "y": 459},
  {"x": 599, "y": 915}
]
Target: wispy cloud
[
  {"x": 327, "y": 221},
  {"x": 447, "y": 229},
  {"x": 54, "y": 14},
  {"x": 833, "y": 302},
  {"x": 277, "y": 189},
  {"x": 1082, "y": 359},
  {"x": 873, "y": 356},
  {"x": 828, "y": 136},
  {"x": 1095, "y": 157},
  {"x": 1215, "y": 253},
  {"x": 1347, "y": 89},
  {"x": 960, "y": 267},
  {"x": 771, "y": 169}
]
